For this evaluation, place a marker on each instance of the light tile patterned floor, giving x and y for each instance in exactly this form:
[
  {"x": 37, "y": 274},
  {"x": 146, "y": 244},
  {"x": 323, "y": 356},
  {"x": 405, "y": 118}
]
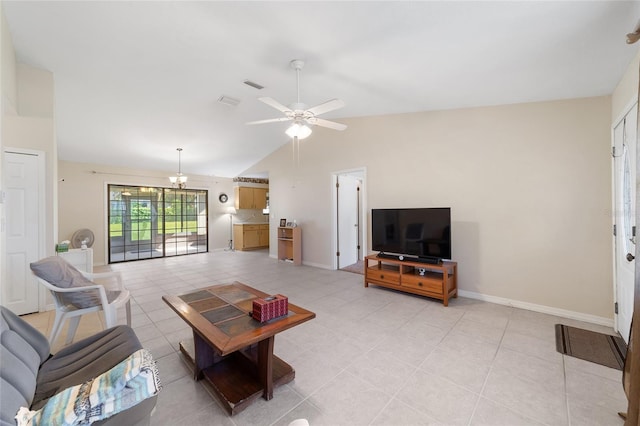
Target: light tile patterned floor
[{"x": 372, "y": 356}]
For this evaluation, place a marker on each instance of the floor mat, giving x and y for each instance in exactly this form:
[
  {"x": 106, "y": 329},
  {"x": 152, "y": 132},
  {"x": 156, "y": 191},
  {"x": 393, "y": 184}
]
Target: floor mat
[
  {"x": 356, "y": 268},
  {"x": 600, "y": 348}
]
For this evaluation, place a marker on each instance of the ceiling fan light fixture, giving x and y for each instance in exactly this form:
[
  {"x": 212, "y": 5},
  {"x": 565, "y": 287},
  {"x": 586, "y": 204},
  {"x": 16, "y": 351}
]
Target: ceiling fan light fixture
[{"x": 299, "y": 129}]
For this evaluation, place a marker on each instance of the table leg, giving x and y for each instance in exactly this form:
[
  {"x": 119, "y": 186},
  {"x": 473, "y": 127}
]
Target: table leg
[
  {"x": 204, "y": 355},
  {"x": 265, "y": 366}
]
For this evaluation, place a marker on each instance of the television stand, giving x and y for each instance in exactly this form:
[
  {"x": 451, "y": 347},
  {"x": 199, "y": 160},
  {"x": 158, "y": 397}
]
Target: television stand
[{"x": 438, "y": 281}]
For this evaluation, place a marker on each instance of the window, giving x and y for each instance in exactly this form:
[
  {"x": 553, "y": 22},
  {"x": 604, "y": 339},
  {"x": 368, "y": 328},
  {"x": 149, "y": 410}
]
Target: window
[{"x": 147, "y": 222}]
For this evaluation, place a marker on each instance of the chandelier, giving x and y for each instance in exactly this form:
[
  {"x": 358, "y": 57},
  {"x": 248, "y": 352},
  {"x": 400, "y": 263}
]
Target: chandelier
[{"x": 180, "y": 180}]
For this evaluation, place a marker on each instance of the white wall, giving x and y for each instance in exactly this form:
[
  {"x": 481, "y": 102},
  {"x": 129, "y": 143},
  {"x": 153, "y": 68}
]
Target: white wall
[
  {"x": 27, "y": 123},
  {"x": 7, "y": 98},
  {"x": 528, "y": 184},
  {"x": 83, "y": 200}
]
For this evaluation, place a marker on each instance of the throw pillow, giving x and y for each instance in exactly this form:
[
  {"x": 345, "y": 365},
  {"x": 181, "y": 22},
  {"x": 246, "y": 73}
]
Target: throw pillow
[{"x": 59, "y": 272}]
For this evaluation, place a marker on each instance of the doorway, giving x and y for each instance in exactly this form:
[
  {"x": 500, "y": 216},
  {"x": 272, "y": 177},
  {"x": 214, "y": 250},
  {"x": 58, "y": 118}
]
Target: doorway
[
  {"x": 349, "y": 217},
  {"x": 24, "y": 177},
  {"x": 624, "y": 182}
]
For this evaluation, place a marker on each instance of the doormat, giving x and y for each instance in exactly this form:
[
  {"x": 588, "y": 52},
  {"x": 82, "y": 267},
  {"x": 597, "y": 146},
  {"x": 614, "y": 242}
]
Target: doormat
[
  {"x": 356, "y": 268},
  {"x": 591, "y": 346}
]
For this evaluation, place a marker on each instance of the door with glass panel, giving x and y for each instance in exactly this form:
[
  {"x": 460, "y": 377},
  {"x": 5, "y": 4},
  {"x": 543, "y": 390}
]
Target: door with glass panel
[
  {"x": 148, "y": 222},
  {"x": 624, "y": 161},
  {"x": 185, "y": 221}
]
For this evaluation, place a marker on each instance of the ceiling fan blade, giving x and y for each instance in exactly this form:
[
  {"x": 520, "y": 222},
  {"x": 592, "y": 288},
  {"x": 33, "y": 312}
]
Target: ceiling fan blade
[
  {"x": 326, "y": 123},
  {"x": 269, "y": 120},
  {"x": 275, "y": 104},
  {"x": 326, "y": 107}
]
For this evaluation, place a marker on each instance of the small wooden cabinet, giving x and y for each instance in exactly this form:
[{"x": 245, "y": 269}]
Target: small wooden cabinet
[
  {"x": 290, "y": 245},
  {"x": 249, "y": 237},
  {"x": 247, "y": 197},
  {"x": 438, "y": 281}
]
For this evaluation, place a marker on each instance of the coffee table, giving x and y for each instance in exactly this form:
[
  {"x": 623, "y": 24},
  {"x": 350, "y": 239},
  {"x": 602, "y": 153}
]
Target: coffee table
[{"x": 230, "y": 350}]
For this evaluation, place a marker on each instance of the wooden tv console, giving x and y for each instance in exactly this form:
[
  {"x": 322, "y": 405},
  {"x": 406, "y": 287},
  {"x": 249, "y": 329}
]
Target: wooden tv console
[{"x": 440, "y": 281}]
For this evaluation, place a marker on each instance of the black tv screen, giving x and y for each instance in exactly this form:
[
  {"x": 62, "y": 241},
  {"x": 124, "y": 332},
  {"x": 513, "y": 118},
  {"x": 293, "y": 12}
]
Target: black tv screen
[{"x": 422, "y": 232}]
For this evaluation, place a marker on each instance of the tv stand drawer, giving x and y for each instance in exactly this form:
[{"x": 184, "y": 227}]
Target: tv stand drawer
[
  {"x": 383, "y": 275},
  {"x": 425, "y": 282}
]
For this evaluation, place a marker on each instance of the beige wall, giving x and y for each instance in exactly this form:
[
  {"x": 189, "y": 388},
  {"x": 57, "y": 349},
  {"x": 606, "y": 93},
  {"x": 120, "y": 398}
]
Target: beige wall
[
  {"x": 83, "y": 200},
  {"x": 36, "y": 92},
  {"x": 626, "y": 92},
  {"x": 8, "y": 69},
  {"x": 529, "y": 186}
]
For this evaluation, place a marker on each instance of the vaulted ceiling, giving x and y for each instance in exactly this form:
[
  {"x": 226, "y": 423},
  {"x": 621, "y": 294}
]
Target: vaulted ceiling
[{"x": 136, "y": 80}]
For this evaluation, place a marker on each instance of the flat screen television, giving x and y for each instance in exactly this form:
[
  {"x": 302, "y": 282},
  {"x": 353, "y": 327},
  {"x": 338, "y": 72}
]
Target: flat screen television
[{"x": 423, "y": 233}]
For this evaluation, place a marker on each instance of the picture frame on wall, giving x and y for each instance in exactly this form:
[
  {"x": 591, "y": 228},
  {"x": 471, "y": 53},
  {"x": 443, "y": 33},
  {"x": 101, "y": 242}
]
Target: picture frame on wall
[{"x": 283, "y": 223}]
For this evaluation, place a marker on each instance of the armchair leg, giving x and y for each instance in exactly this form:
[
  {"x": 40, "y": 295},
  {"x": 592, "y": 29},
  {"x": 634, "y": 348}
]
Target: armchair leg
[
  {"x": 73, "y": 327},
  {"x": 57, "y": 327},
  {"x": 109, "y": 317},
  {"x": 128, "y": 308}
]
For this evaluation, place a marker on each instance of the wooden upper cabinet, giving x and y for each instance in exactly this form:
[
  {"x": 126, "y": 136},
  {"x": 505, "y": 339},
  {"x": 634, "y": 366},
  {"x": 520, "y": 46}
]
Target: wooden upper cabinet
[
  {"x": 244, "y": 198},
  {"x": 260, "y": 198},
  {"x": 251, "y": 198}
]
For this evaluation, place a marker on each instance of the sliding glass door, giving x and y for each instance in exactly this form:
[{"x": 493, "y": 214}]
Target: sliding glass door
[{"x": 147, "y": 222}]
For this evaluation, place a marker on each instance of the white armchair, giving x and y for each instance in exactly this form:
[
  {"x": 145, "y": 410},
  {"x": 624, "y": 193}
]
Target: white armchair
[{"x": 76, "y": 293}]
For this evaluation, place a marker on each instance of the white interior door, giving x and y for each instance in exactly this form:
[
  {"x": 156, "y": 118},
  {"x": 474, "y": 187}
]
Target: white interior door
[
  {"x": 348, "y": 221},
  {"x": 624, "y": 139},
  {"x": 21, "y": 177}
]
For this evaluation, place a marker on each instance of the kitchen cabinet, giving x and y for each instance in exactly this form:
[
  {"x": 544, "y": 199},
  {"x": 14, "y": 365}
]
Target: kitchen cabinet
[
  {"x": 250, "y": 236},
  {"x": 250, "y": 198}
]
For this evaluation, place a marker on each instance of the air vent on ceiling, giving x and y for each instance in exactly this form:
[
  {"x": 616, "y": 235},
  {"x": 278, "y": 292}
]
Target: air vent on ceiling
[
  {"x": 228, "y": 100},
  {"x": 253, "y": 84}
]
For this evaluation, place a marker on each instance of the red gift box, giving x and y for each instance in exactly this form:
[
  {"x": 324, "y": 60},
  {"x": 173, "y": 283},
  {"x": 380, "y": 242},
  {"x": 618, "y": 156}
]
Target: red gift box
[{"x": 270, "y": 307}]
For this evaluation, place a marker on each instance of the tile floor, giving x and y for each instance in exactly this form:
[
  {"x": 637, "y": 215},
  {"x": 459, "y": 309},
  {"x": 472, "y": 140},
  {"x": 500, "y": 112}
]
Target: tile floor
[{"x": 371, "y": 356}]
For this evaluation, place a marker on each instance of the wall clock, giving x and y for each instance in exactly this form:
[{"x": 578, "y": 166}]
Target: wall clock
[{"x": 223, "y": 198}]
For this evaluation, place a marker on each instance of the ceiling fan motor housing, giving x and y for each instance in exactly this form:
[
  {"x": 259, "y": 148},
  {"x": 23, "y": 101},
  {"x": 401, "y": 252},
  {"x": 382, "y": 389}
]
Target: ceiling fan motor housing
[
  {"x": 297, "y": 64},
  {"x": 298, "y": 107}
]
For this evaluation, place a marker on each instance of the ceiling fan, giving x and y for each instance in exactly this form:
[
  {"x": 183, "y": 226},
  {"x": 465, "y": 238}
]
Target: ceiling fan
[{"x": 298, "y": 112}]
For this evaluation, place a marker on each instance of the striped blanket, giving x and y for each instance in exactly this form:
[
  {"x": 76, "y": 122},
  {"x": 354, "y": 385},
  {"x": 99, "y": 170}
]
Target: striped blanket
[{"x": 125, "y": 385}]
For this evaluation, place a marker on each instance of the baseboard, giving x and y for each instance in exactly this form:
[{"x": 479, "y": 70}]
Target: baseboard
[
  {"x": 593, "y": 319},
  {"x": 315, "y": 265}
]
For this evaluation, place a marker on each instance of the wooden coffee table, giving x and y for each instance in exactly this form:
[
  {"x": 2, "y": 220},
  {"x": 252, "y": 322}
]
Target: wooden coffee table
[{"x": 231, "y": 350}]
